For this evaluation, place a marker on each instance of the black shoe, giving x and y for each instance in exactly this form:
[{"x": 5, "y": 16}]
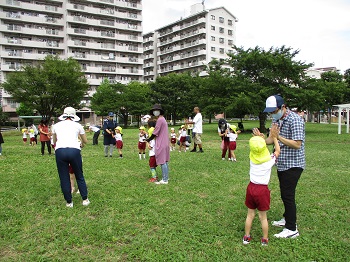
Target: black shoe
[
  {"x": 200, "y": 151},
  {"x": 193, "y": 150}
]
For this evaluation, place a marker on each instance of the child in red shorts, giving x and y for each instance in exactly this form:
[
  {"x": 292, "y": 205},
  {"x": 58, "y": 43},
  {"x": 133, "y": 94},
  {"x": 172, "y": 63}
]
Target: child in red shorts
[
  {"x": 152, "y": 154},
  {"x": 258, "y": 193},
  {"x": 118, "y": 141},
  {"x": 142, "y": 142},
  {"x": 183, "y": 134}
]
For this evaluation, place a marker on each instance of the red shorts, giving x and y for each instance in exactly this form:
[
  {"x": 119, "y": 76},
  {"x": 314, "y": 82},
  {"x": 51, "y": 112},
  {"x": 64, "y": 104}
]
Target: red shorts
[
  {"x": 182, "y": 139},
  {"x": 258, "y": 197},
  {"x": 173, "y": 141},
  {"x": 70, "y": 168},
  {"x": 232, "y": 145},
  {"x": 152, "y": 162},
  {"x": 24, "y": 139},
  {"x": 32, "y": 139},
  {"x": 141, "y": 145},
  {"x": 119, "y": 144}
]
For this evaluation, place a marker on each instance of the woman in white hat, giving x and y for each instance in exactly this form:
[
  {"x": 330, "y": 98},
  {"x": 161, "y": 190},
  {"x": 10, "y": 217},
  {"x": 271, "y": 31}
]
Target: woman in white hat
[{"x": 68, "y": 151}]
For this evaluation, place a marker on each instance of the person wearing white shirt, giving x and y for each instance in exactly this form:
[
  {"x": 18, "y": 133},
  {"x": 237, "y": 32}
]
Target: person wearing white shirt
[
  {"x": 68, "y": 152},
  {"x": 96, "y": 131},
  {"x": 197, "y": 130}
]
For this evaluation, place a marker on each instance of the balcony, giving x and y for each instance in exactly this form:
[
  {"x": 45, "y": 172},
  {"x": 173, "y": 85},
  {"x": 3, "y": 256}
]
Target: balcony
[
  {"x": 35, "y": 7},
  {"x": 129, "y": 5},
  {"x": 129, "y": 71},
  {"x": 192, "y": 23},
  {"x": 129, "y": 60},
  {"x": 128, "y": 49},
  {"x": 11, "y": 67}
]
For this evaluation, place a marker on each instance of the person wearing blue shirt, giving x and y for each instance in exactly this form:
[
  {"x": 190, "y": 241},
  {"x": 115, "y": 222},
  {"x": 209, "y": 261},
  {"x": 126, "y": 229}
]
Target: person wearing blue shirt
[{"x": 108, "y": 134}]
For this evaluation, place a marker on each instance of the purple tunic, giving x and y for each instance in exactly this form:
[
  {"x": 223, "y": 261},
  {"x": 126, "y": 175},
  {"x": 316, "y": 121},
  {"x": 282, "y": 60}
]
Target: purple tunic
[{"x": 162, "y": 141}]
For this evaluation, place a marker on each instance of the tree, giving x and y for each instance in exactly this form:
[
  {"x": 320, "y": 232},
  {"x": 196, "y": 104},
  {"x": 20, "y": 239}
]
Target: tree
[
  {"x": 24, "y": 110},
  {"x": 121, "y": 99},
  {"x": 174, "y": 93},
  {"x": 49, "y": 86},
  {"x": 267, "y": 73},
  {"x": 215, "y": 90},
  {"x": 104, "y": 100},
  {"x": 3, "y": 117}
]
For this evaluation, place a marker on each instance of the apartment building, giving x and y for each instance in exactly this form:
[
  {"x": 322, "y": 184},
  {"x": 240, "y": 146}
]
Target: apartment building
[
  {"x": 189, "y": 43},
  {"x": 104, "y": 36}
]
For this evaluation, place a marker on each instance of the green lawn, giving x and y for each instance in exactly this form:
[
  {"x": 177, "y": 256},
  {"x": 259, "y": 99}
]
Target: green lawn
[{"x": 199, "y": 216}]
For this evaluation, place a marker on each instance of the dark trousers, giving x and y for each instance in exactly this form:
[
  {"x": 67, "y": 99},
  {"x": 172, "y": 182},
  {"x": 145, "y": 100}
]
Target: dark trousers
[
  {"x": 224, "y": 150},
  {"x": 95, "y": 137},
  {"x": 288, "y": 182},
  {"x": 48, "y": 144},
  {"x": 72, "y": 156}
]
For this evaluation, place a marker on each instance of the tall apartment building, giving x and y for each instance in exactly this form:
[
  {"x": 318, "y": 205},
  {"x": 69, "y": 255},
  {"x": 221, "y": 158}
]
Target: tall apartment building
[
  {"x": 104, "y": 36},
  {"x": 189, "y": 43}
]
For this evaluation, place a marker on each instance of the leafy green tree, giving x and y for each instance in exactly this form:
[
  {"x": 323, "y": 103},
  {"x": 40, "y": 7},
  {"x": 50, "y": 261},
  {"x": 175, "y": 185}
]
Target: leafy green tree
[
  {"x": 137, "y": 99},
  {"x": 24, "y": 110},
  {"x": 104, "y": 100},
  {"x": 48, "y": 86},
  {"x": 3, "y": 117},
  {"x": 124, "y": 100},
  {"x": 334, "y": 90},
  {"x": 266, "y": 73},
  {"x": 174, "y": 93}
]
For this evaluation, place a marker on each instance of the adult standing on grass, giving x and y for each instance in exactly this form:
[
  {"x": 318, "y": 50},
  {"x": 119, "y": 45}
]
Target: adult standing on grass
[
  {"x": 291, "y": 161},
  {"x": 68, "y": 152},
  {"x": 162, "y": 149},
  {"x": 197, "y": 130},
  {"x": 44, "y": 136},
  {"x": 96, "y": 131},
  {"x": 108, "y": 134},
  {"x": 1, "y": 142}
]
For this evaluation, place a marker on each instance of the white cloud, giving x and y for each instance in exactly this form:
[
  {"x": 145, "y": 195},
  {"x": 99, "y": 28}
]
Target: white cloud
[{"x": 319, "y": 28}]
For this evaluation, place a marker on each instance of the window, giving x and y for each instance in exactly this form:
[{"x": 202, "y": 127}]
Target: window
[
  {"x": 213, "y": 28},
  {"x": 213, "y": 38},
  {"x": 221, "y": 30},
  {"x": 229, "y": 22},
  {"x": 212, "y": 17},
  {"x": 230, "y": 32},
  {"x": 213, "y": 48},
  {"x": 221, "y": 40},
  {"x": 230, "y": 42},
  {"x": 222, "y": 50},
  {"x": 230, "y": 51},
  {"x": 221, "y": 19}
]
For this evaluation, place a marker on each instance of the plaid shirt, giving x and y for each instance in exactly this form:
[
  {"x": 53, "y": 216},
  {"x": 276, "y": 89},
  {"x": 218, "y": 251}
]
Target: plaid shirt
[{"x": 291, "y": 127}]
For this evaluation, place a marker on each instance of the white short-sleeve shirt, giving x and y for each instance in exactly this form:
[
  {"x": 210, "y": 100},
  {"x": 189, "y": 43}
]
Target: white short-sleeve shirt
[
  {"x": 67, "y": 133},
  {"x": 260, "y": 173},
  {"x": 198, "y": 124}
]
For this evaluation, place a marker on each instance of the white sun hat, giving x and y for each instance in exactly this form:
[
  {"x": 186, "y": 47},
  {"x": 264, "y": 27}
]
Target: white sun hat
[{"x": 69, "y": 112}]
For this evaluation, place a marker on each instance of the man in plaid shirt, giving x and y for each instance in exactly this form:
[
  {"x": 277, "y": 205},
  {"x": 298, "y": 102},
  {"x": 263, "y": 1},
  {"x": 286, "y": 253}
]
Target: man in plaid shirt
[{"x": 291, "y": 161}]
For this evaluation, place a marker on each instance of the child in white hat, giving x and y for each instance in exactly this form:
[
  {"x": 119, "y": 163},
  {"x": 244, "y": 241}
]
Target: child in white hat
[{"x": 258, "y": 193}]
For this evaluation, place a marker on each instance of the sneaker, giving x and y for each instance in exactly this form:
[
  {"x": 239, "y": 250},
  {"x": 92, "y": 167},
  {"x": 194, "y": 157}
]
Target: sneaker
[
  {"x": 78, "y": 192},
  {"x": 223, "y": 158},
  {"x": 200, "y": 151},
  {"x": 69, "y": 204},
  {"x": 246, "y": 240},
  {"x": 161, "y": 182},
  {"x": 86, "y": 202},
  {"x": 264, "y": 241},
  {"x": 279, "y": 223},
  {"x": 286, "y": 233},
  {"x": 152, "y": 180},
  {"x": 229, "y": 159},
  {"x": 193, "y": 150},
  {"x": 234, "y": 159}
]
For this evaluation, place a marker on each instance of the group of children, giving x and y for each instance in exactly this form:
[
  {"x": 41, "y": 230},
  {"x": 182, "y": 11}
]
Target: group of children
[{"x": 32, "y": 132}]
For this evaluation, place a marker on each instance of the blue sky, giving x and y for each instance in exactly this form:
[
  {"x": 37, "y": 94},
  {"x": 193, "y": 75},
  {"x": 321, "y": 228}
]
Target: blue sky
[{"x": 320, "y": 29}]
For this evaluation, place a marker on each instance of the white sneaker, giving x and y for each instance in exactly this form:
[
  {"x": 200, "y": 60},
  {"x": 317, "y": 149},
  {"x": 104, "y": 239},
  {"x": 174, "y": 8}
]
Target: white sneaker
[
  {"x": 69, "y": 204},
  {"x": 161, "y": 182},
  {"x": 229, "y": 159},
  {"x": 78, "y": 192},
  {"x": 286, "y": 233},
  {"x": 223, "y": 158},
  {"x": 279, "y": 223},
  {"x": 86, "y": 202}
]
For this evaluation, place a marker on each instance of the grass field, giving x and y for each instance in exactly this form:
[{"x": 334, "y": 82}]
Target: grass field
[{"x": 198, "y": 216}]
